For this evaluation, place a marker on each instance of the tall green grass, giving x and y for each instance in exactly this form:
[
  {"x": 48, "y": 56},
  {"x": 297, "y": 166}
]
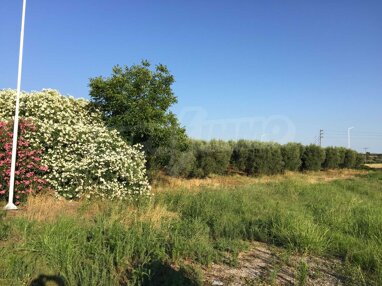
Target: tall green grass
[{"x": 340, "y": 219}]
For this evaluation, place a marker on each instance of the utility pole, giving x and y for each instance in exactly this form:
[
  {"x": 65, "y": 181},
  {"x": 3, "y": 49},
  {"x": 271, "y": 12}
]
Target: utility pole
[
  {"x": 365, "y": 154},
  {"x": 11, "y": 205},
  {"x": 321, "y": 136}
]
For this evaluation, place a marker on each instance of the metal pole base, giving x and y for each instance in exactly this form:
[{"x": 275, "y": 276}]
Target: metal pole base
[{"x": 10, "y": 206}]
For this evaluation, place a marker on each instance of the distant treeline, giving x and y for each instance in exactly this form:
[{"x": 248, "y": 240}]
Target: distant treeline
[
  {"x": 373, "y": 158},
  {"x": 203, "y": 158},
  {"x": 136, "y": 100}
]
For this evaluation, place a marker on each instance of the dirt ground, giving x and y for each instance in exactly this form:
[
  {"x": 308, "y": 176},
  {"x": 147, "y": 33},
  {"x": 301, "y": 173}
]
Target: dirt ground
[{"x": 266, "y": 265}]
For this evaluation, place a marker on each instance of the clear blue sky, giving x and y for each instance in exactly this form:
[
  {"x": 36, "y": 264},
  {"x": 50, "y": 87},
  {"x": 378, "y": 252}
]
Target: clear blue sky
[{"x": 271, "y": 70}]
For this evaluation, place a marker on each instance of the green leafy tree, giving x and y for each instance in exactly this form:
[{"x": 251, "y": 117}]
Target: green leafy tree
[
  {"x": 360, "y": 160},
  {"x": 350, "y": 159},
  {"x": 257, "y": 158},
  {"x": 312, "y": 158},
  {"x": 332, "y": 158},
  {"x": 212, "y": 157},
  {"x": 136, "y": 101},
  {"x": 240, "y": 155},
  {"x": 292, "y": 153},
  {"x": 265, "y": 159},
  {"x": 341, "y": 153}
]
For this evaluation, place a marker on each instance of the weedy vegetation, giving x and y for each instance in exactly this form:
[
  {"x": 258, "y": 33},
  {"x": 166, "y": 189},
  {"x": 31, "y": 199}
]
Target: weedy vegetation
[{"x": 168, "y": 240}]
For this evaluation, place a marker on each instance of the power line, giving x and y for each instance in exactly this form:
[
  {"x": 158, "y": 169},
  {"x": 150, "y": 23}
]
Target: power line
[
  {"x": 354, "y": 132},
  {"x": 353, "y": 135}
]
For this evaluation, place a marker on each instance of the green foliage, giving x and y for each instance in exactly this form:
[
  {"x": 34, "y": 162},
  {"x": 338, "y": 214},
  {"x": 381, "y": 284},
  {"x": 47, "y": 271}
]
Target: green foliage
[
  {"x": 332, "y": 158},
  {"x": 291, "y": 154},
  {"x": 240, "y": 155},
  {"x": 341, "y": 152},
  {"x": 302, "y": 273},
  {"x": 28, "y": 168},
  {"x": 4, "y": 227},
  {"x": 212, "y": 157},
  {"x": 182, "y": 164},
  {"x": 374, "y": 158},
  {"x": 312, "y": 158},
  {"x": 257, "y": 158},
  {"x": 340, "y": 219},
  {"x": 84, "y": 157},
  {"x": 360, "y": 160},
  {"x": 339, "y": 157},
  {"x": 265, "y": 158},
  {"x": 201, "y": 159},
  {"x": 106, "y": 252},
  {"x": 350, "y": 159},
  {"x": 136, "y": 101}
]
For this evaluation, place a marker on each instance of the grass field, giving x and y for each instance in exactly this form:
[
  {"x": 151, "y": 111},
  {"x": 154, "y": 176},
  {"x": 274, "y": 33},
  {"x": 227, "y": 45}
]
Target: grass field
[{"x": 189, "y": 225}]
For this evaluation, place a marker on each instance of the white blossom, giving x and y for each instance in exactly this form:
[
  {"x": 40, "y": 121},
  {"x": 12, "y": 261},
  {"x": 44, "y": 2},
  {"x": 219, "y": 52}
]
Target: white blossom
[{"x": 84, "y": 157}]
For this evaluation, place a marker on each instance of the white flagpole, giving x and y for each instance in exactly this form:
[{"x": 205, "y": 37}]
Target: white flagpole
[{"x": 11, "y": 205}]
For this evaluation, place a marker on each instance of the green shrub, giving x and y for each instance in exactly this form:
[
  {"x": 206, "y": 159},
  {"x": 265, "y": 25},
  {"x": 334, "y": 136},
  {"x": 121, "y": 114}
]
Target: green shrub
[
  {"x": 359, "y": 161},
  {"x": 212, "y": 157},
  {"x": 164, "y": 158},
  {"x": 312, "y": 158},
  {"x": 265, "y": 159},
  {"x": 182, "y": 164},
  {"x": 28, "y": 168},
  {"x": 332, "y": 158},
  {"x": 240, "y": 155},
  {"x": 84, "y": 158},
  {"x": 291, "y": 154},
  {"x": 350, "y": 159},
  {"x": 257, "y": 158},
  {"x": 341, "y": 152}
]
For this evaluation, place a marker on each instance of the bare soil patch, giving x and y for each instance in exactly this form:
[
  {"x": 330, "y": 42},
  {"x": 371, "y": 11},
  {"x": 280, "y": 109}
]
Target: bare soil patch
[{"x": 266, "y": 265}]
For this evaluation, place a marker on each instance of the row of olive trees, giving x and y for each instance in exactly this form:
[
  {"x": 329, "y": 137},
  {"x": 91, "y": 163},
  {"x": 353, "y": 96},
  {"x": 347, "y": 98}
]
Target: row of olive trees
[
  {"x": 136, "y": 101},
  {"x": 257, "y": 158}
]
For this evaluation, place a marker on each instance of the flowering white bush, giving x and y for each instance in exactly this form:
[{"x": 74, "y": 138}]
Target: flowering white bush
[{"x": 84, "y": 157}]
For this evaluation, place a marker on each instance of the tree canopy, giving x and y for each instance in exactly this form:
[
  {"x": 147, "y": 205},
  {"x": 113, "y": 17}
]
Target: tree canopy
[{"x": 136, "y": 101}]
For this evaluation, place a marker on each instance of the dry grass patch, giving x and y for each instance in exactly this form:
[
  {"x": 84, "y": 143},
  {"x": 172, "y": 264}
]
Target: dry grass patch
[
  {"x": 129, "y": 214},
  {"x": 326, "y": 176},
  {"x": 374, "y": 166},
  {"x": 47, "y": 207},
  {"x": 165, "y": 183},
  {"x": 156, "y": 215}
]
